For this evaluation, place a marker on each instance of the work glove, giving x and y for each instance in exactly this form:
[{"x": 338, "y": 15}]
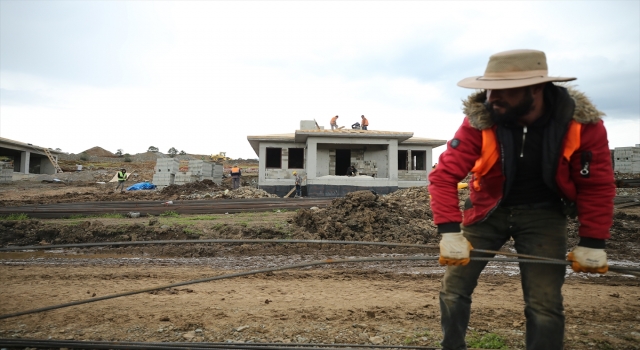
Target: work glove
[
  {"x": 454, "y": 249},
  {"x": 588, "y": 260}
]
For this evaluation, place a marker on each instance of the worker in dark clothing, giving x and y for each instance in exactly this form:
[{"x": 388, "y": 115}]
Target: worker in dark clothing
[
  {"x": 235, "y": 176},
  {"x": 351, "y": 171},
  {"x": 538, "y": 151},
  {"x": 122, "y": 177}
]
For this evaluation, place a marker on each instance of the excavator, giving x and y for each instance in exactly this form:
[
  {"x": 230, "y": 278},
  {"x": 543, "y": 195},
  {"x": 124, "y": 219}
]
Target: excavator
[{"x": 220, "y": 157}]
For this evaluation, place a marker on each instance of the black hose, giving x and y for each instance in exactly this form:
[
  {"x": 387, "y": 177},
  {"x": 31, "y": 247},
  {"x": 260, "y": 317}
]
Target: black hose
[{"x": 253, "y": 272}]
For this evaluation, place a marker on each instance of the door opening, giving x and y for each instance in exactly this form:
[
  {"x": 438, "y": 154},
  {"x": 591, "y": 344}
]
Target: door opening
[{"x": 343, "y": 160}]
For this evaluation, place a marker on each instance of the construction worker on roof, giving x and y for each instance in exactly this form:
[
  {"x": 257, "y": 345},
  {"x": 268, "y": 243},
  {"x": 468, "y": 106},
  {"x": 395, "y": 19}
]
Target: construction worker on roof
[
  {"x": 334, "y": 122},
  {"x": 538, "y": 151},
  {"x": 365, "y": 123},
  {"x": 122, "y": 177},
  {"x": 235, "y": 176}
]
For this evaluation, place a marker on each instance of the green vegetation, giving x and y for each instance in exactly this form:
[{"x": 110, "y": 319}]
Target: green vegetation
[
  {"x": 170, "y": 213},
  {"x": 84, "y": 156},
  {"x": 486, "y": 341},
  {"x": 127, "y": 157},
  {"x": 201, "y": 217},
  {"x": 415, "y": 338},
  {"x": 19, "y": 216}
]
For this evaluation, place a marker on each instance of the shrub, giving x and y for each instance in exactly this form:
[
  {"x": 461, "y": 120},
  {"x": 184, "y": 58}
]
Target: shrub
[
  {"x": 84, "y": 156},
  {"x": 127, "y": 157}
]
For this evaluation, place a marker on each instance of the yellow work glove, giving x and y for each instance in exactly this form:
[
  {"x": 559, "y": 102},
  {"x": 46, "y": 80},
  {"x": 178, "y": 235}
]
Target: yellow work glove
[
  {"x": 588, "y": 260},
  {"x": 454, "y": 249}
]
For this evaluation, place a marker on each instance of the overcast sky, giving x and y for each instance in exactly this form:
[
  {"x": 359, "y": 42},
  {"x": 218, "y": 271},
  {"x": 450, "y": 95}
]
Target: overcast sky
[{"x": 201, "y": 76}]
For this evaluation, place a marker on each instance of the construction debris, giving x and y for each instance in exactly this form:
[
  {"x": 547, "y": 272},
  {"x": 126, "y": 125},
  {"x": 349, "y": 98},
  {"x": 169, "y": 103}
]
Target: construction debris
[{"x": 245, "y": 192}]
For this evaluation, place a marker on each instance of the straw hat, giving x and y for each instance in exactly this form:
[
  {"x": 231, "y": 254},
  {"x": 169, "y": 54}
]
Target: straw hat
[
  {"x": 513, "y": 69},
  {"x": 295, "y": 173}
]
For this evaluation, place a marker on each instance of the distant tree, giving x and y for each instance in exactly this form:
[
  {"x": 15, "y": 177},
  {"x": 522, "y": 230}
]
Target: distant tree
[
  {"x": 153, "y": 149},
  {"x": 127, "y": 157},
  {"x": 172, "y": 152},
  {"x": 119, "y": 152},
  {"x": 182, "y": 153}
]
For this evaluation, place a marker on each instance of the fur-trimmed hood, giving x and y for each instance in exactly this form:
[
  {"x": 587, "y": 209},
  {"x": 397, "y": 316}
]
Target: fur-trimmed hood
[{"x": 585, "y": 111}]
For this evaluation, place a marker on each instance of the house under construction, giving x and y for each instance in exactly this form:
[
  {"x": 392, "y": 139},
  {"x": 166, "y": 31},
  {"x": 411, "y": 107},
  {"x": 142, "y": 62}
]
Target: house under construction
[{"x": 385, "y": 160}]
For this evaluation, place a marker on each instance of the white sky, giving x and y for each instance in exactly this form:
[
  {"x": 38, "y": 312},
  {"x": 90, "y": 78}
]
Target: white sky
[{"x": 202, "y": 75}]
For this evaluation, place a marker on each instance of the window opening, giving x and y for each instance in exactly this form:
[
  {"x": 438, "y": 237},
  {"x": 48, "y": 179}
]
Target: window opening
[
  {"x": 296, "y": 158},
  {"x": 274, "y": 158},
  {"x": 419, "y": 160}
]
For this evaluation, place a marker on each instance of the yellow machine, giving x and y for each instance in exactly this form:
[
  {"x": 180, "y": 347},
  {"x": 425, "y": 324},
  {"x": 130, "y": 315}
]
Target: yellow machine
[{"x": 220, "y": 157}]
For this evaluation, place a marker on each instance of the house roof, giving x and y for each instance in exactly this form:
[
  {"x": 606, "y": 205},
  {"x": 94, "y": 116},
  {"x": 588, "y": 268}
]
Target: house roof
[
  {"x": 301, "y": 136},
  {"x": 21, "y": 146}
]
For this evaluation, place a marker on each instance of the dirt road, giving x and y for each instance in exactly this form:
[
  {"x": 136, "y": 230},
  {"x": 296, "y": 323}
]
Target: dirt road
[
  {"x": 381, "y": 303},
  {"x": 374, "y": 304}
]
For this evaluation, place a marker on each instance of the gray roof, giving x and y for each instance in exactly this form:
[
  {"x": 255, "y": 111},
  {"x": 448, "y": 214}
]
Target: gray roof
[
  {"x": 21, "y": 146},
  {"x": 300, "y": 136}
]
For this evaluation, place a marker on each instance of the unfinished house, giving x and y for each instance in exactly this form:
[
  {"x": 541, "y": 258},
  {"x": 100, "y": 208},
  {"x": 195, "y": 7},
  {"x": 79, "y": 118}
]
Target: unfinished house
[
  {"x": 25, "y": 158},
  {"x": 384, "y": 160}
]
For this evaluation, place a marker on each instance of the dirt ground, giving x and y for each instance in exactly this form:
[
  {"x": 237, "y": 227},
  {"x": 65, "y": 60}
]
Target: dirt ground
[{"x": 373, "y": 303}]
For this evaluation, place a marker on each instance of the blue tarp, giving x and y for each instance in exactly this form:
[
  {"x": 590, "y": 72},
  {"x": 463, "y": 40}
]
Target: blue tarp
[{"x": 141, "y": 186}]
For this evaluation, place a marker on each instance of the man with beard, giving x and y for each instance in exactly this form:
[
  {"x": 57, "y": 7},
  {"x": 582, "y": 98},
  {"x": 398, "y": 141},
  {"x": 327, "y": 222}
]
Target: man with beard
[{"x": 537, "y": 152}]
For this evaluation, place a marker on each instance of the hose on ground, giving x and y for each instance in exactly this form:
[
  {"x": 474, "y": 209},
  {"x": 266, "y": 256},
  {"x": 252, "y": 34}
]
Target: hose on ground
[{"x": 273, "y": 269}]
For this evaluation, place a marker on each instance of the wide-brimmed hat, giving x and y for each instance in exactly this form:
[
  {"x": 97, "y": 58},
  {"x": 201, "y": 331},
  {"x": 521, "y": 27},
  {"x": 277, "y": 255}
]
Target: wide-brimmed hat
[{"x": 513, "y": 69}]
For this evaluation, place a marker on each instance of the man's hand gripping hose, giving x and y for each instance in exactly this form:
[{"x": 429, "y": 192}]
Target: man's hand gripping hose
[
  {"x": 454, "y": 249},
  {"x": 591, "y": 260}
]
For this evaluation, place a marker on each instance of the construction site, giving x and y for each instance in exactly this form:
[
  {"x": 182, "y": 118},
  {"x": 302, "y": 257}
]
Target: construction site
[{"x": 197, "y": 264}]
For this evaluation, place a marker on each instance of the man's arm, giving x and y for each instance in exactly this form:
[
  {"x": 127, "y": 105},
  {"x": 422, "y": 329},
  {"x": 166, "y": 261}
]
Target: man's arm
[
  {"x": 592, "y": 172},
  {"x": 454, "y": 165}
]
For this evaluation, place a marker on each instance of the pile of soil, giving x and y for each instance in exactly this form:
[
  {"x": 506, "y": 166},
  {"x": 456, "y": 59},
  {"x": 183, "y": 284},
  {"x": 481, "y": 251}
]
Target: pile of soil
[
  {"x": 404, "y": 216},
  {"x": 244, "y": 192},
  {"x": 98, "y": 152},
  {"x": 192, "y": 187}
]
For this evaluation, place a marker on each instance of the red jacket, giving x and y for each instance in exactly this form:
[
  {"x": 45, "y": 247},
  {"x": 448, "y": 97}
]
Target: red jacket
[{"x": 592, "y": 193}]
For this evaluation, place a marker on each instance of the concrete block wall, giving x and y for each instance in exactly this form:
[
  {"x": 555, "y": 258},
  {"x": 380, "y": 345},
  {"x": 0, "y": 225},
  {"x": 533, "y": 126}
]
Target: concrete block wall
[
  {"x": 332, "y": 162},
  {"x": 6, "y": 175},
  {"x": 412, "y": 175},
  {"x": 167, "y": 165},
  {"x": 627, "y": 160}
]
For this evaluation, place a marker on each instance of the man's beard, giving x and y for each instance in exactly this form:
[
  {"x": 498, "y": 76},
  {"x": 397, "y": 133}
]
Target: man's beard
[{"x": 511, "y": 113}]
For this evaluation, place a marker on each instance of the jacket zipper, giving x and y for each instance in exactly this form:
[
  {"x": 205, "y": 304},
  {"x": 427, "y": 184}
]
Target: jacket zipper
[
  {"x": 585, "y": 159},
  {"x": 524, "y": 136}
]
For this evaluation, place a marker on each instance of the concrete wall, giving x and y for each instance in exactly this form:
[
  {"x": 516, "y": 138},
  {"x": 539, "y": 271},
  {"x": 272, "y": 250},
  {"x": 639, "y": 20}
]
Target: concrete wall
[
  {"x": 46, "y": 167},
  {"x": 282, "y": 176}
]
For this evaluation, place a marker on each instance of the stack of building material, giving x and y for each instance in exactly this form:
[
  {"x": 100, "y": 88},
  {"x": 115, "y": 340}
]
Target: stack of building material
[
  {"x": 165, "y": 172},
  {"x": 200, "y": 170},
  {"x": 6, "y": 175},
  {"x": 627, "y": 159}
]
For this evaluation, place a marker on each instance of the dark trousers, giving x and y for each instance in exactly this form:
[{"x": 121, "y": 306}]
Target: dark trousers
[
  {"x": 235, "y": 181},
  {"x": 364, "y": 127},
  {"x": 298, "y": 191},
  {"x": 541, "y": 232}
]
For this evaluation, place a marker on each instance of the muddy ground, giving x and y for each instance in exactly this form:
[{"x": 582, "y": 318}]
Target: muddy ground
[{"x": 373, "y": 303}]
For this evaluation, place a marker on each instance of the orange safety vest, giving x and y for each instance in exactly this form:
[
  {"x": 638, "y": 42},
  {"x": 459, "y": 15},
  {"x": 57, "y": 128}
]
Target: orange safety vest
[
  {"x": 490, "y": 153},
  {"x": 235, "y": 170},
  {"x": 333, "y": 120}
]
